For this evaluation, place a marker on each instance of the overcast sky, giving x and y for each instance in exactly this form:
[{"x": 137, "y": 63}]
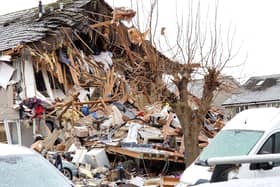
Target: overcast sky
[{"x": 254, "y": 21}]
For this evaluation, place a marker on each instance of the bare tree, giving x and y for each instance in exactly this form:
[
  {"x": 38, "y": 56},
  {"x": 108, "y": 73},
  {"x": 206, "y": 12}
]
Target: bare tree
[
  {"x": 203, "y": 45},
  {"x": 201, "y": 50}
]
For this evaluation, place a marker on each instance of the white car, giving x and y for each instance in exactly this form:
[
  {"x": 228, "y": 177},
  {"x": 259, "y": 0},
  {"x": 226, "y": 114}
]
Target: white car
[
  {"x": 251, "y": 132},
  {"x": 23, "y": 167}
]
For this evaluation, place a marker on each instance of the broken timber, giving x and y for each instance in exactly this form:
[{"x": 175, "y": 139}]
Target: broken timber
[{"x": 149, "y": 154}]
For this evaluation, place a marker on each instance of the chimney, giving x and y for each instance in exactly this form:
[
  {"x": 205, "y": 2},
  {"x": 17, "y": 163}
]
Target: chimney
[{"x": 40, "y": 9}]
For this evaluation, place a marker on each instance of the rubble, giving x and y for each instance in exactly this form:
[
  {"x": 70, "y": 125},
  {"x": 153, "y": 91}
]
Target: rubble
[{"x": 73, "y": 93}]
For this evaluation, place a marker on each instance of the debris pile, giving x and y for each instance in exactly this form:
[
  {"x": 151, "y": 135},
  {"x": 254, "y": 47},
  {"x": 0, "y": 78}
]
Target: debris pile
[{"x": 77, "y": 87}]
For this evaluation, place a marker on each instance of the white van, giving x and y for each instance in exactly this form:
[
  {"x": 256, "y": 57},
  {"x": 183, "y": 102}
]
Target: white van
[{"x": 251, "y": 132}]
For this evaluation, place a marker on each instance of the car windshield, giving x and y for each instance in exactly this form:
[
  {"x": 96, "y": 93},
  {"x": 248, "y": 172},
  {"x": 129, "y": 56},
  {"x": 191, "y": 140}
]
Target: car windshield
[
  {"x": 29, "y": 171},
  {"x": 230, "y": 143}
]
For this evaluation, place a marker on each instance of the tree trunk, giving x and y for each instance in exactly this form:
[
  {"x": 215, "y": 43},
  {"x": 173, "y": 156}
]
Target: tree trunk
[
  {"x": 192, "y": 150},
  {"x": 190, "y": 128}
]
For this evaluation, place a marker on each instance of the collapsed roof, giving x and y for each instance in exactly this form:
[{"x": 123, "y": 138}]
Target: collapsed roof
[{"x": 80, "y": 30}]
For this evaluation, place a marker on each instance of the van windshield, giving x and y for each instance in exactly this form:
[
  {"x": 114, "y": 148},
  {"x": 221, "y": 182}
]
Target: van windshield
[{"x": 230, "y": 143}]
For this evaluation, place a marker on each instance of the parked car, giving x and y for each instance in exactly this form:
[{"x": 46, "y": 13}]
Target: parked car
[
  {"x": 23, "y": 167},
  {"x": 67, "y": 168},
  {"x": 251, "y": 132}
]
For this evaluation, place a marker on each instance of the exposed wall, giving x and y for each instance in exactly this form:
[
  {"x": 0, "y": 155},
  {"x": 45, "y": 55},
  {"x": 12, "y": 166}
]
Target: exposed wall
[
  {"x": 6, "y": 104},
  {"x": 231, "y": 111},
  {"x": 26, "y": 135}
]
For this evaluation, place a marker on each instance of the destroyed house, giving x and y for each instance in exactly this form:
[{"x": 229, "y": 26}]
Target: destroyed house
[
  {"x": 36, "y": 62},
  {"x": 76, "y": 79},
  {"x": 67, "y": 53},
  {"x": 258, "y": 91}
]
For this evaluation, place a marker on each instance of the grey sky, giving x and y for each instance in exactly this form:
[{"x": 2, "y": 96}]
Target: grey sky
[{"x": 255, "y": 22}]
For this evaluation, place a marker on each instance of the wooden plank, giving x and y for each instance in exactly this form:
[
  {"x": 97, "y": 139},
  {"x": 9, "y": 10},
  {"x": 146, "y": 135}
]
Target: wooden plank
[
  {"x": 105, "y": 23},
  {"x": 68, "y": 104},
  {"x": 65, "y": 79},
  {"x": 74, "y": 74},
  {"x": 87, "y": 102},
  {"x": 124, "y": 152},
  {"x": 59, "y": 71},
  {"x": 149, "y": 156},
  {"x": 50, "y": 139},
  {"x": 169, "y": 181}
]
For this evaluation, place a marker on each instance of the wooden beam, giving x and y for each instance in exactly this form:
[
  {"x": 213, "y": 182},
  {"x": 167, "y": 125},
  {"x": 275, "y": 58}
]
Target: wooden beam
[
  {"x": 168, "y": 156},
  {"x": 105, "y": 23}
]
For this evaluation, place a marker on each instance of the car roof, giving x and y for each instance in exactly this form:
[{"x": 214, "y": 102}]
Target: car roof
[
  {"x": 7, "y": 149},
  {"x": 261, "y": 119}
]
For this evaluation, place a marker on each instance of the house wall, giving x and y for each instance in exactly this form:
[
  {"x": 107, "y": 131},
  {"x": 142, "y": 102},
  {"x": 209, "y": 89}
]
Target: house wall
[
  {"x": 220, "y": 97},
  {"x": 6, "y": 104},
  {"x": 26, "y": 135},
  {"x": 231, "y": 111}
]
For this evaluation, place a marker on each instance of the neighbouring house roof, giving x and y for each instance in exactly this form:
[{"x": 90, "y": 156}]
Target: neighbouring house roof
[
  {"x": 228, "y": 86},
  {"x": 258, "y": 89}
]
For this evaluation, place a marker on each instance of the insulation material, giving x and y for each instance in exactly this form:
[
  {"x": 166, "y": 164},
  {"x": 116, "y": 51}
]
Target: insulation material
[
  {"x": 132, "y": 133},
  {"x": 83, "y": 96},
  {"x": 117, "y": 116},
  {"x": 105, "y": 58},
  {"x": 6, "y": 73}
]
